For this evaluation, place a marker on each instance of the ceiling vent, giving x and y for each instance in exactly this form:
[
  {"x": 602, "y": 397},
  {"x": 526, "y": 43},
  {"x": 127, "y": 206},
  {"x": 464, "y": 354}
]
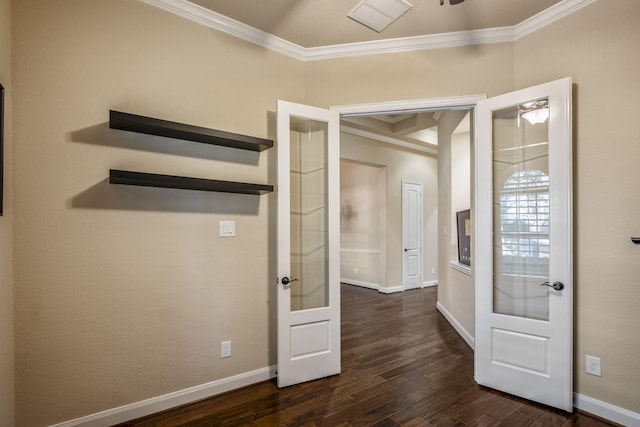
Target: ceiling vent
[{"x": 378, "y": 14}]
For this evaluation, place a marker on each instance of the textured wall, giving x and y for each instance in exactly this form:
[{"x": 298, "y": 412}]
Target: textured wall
[
  {"x": 598, "y": 46},
  {"x": 124, "y": 293},
  {"x": 6, "y": 228},
  {"x": 362, "y": 207},
  {"x": 456, "y": 292}
]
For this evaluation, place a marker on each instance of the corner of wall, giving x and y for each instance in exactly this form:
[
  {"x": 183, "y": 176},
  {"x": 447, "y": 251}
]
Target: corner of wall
[{"x": 7, "y": 393}]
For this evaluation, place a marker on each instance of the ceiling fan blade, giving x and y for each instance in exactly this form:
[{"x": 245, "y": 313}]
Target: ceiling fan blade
[{"x": 455, "y": 1}]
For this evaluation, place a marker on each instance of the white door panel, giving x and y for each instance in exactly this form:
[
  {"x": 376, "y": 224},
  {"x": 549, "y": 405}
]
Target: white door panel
[
  {"x": 412, "y": 235},
  {"x": 523, "y": 234},
  {"x": 308, "y": 243}
]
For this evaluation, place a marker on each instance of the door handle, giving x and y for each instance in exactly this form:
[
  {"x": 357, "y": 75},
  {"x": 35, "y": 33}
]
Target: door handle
[
  {"x": 285, "y": 280},
  {"x": 558, "y": 286},
  {"x": 406, "y": 250}
]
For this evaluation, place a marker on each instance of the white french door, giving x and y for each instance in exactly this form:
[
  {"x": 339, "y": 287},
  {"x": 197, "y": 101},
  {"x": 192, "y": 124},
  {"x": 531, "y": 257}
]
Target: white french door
[
  {"x": 411, "y": 235},
  {"x": 523, "y": 228},
  {"x": 308, "y": 147}
]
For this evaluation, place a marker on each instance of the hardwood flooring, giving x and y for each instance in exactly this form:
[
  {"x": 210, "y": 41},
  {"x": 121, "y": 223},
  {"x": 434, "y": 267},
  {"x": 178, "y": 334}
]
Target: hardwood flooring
[{"x": 402, "y": 365}]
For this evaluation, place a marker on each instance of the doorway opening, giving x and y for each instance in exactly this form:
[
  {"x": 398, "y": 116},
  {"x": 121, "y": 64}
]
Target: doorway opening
[{"x": 407, "y": 140}]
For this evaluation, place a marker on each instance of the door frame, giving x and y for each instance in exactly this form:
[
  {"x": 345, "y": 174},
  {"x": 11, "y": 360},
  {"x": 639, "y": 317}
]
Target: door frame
[{"x": 467, "y": 102}]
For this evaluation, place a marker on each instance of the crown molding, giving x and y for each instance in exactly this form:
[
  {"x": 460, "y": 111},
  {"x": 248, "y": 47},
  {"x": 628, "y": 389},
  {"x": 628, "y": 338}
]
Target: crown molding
[
  {"x": 408, "y": 44},
  {"x": 549, "y": 16},
  {"x": 253, "y": 35},
  {"x": 217, "y": 21}
]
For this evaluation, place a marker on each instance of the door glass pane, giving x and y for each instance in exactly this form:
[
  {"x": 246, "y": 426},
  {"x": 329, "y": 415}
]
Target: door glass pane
[
  {"x": 309, "y": 222},
  {"x": 521, "y": 212}
]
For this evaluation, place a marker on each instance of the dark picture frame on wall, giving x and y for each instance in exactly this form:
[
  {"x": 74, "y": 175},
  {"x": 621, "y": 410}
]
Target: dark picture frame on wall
[
  {"x": 1, "y": 148},
  {"x": 464, "y": 237}
]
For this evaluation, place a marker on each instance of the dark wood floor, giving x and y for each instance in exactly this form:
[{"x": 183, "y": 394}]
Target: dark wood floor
[{"x": 402, "y": 365}]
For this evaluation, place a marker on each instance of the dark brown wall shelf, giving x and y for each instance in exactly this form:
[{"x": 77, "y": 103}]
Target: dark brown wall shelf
[
  {"x": 117, "y": 176},
  {"x": 151, "y": 126}
]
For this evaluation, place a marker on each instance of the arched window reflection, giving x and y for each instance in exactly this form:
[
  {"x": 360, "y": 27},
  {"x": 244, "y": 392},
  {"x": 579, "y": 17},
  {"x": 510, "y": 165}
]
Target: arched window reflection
[{"x": 524, "y": 222}]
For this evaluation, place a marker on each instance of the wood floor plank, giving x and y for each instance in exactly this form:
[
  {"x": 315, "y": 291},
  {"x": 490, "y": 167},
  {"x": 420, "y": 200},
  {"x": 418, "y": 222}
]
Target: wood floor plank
[{"x": 402, "y": 365}]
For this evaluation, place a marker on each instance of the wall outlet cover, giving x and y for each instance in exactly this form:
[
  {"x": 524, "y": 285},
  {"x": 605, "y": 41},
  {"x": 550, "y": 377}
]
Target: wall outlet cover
[{"x": 593, "y": 365}]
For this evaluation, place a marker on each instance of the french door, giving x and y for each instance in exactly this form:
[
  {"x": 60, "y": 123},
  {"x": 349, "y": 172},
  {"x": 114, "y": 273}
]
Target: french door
[
  {"x": 308, "y": 146},
  {"x": 523, "y": 229}
]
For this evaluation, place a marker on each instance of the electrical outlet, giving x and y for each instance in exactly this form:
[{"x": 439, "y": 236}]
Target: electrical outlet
[
  {"x": 593, "y": 365},
  {"x": 225, "y": 349},
  {"x": 433, "y": 270}
]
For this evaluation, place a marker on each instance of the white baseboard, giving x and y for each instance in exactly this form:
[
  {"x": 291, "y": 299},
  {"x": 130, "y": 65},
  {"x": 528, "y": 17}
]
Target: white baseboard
[
  {"x": 471, "y": 342},
  {"x": 391, "y": 289},
  {"x": 360, "y": 283},
  {"x": 381, "y": 289},
  {"x": 584, "y": 403},
  {"x": 171, "y": 400},
  {"x": 606, "y": 410}
]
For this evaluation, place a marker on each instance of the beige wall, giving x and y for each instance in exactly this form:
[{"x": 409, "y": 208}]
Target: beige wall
[
  {"x": 456, "y": 293},
  {"x": 411, "y": 75},
  {"x": 6, "y": 229},
  {"x": 125, "y": 293},
  {"x": 598, "y": 46},
  {"x": 362, "y": 232},
  {"x": 401, "y": 164}
]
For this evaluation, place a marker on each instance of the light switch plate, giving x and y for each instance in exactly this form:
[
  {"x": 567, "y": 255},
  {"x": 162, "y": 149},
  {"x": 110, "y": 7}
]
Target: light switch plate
[{"x": 227, "y": 228}]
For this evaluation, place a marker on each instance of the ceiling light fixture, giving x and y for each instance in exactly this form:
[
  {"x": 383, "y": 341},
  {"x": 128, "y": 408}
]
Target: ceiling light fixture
[{"x": 535, "y": 112}]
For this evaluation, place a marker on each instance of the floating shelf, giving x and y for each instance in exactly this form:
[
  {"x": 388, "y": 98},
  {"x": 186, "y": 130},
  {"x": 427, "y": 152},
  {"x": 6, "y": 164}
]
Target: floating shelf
[
  {"x": 144, "y": 179},
  {"x": 151, "y": 126}
]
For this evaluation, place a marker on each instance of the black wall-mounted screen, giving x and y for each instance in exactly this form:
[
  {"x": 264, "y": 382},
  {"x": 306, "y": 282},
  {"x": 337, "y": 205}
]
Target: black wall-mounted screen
[{"x": 464, "y": 237}]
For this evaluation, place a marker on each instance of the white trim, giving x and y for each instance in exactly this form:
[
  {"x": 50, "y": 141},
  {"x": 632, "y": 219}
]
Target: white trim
[
  {"x": 387, "y": 139},
  {"x": 549, "y": 16},
  {"x": 409, "y": 44},
  {"x": 606, "y": 410},
  {"x": 361, "y": 284},
  {"x": 170, "y": 400},
  {"x": 429, "y": 283},
  {"x": 460, "y": 267},
  {"x": 360, "y": 251},
  {"x": 211, "y": 19},
  {"x": 466, "y": 336},
  {"x": 381, "y": 289},
  {"x": 217, "y": 21},
  {"x": 449, "y": 103},
  {"x": 390, "y": 289}
]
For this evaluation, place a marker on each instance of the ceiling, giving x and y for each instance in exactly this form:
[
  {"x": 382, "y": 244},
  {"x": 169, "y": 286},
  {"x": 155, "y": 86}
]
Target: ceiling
[{"x": 315, "y": 23}]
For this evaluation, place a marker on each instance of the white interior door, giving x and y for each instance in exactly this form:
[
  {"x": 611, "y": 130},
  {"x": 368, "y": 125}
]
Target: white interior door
[
  {"x": 523, "y": 216},
  {"x": 411, "y": 235},
  {"x": 308, "y": 146}
]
